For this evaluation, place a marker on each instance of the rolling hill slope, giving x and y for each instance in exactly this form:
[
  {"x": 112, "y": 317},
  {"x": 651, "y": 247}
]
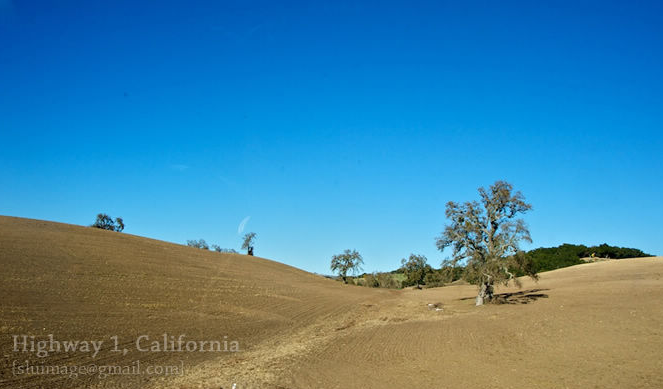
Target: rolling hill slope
[
  {"x": 82, "y": 283},
  {"x": 591, "y": 325}
]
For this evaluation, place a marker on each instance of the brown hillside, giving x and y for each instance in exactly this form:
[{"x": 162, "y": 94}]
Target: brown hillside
[{"x": 592, "y": 325}]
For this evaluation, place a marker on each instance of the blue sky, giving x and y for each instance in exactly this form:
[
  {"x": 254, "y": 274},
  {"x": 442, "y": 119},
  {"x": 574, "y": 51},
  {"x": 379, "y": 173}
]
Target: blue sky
[{"x": 333, "y": 124}]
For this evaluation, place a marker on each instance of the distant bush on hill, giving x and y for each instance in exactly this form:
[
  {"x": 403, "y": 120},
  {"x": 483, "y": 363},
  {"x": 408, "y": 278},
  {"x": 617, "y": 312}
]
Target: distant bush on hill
[
  {"x": 550, "y": 258},
  {"x": 106, "y": 222},
  {"x": 439, "y": 277},
  {"x": 397, "y": 279},
  {"x": 199, "y": 244},
  {"x": 387, "y": 280},
  {"x": 390, "y": 280},
  {"x": 371, "y": 280},
  {"x": 220, "y": 249}
]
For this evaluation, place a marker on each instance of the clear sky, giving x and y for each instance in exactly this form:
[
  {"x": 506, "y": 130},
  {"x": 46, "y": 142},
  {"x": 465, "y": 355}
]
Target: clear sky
[{"x": 333, "y": 124}]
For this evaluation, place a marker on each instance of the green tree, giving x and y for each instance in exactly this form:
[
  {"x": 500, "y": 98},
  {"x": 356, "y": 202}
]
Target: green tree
[
  {"x": 106, "y": 222},
  {"x": 349, "y": 261},
  {"x": 486, "y": 236},
  {"x": 249, "y": 240},
  {"x": 415, "y": 269}
]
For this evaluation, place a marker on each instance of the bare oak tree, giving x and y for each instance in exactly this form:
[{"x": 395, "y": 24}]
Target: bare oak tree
[{"x": 485, "y": 235}]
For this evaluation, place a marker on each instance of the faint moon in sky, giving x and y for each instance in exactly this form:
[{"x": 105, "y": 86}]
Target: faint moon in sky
[{"x": 241, "y": 226}]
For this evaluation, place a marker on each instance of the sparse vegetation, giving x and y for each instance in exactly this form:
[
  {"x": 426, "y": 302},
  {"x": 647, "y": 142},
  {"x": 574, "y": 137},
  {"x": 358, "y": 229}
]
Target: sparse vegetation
[
  {"x": 558, "y": 314},
  {"x": 389, "y": 281},
  {"x": 486, "y": 236},
  {"x": 199, "y": 244},
  {"x": 434, "y": 278},
  {"x": 106, "y": 222},
  {"x": 371, "y": 280},
  {"x": 378, "y": 280},
  {"x": 220, "y": 249},
  {"x": 348, "y": 261},
  {"x": 415, "y": 269},
  {"x": 543, "y": 259},
  {"x": 202, "y": 244}
]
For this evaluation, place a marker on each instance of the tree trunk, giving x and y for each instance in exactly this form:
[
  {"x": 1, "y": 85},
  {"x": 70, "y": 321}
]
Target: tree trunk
[
  {"x": 485, "y": 294},
  {"x": 480, "y": 296}
]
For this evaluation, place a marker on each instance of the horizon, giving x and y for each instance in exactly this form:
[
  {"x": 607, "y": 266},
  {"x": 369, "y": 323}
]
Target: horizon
[
  {"x": 346, "y": 126},
  {"x": 326, "y": 274}
]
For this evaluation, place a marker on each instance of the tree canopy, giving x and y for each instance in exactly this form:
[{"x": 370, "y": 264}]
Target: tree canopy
[
  {"x": 485, "y": 235},
  {"x": 106, "y": 222},
  {"x": 348, "y": 261}
]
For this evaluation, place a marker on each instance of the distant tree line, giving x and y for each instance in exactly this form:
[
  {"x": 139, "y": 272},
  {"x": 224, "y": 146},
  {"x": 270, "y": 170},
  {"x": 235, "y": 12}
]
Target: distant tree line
[
  {"x": 415, "y": 271},
  {"x": 551, "y": 258}
]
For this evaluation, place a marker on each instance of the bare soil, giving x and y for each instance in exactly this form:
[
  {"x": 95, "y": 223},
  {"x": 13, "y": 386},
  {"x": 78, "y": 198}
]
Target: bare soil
[{"x": 595, "y": 325}]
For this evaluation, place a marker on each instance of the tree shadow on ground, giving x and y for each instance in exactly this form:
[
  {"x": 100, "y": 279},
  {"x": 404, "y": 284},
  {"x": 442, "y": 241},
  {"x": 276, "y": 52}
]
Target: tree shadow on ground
[{"x": 521, "y": 297}]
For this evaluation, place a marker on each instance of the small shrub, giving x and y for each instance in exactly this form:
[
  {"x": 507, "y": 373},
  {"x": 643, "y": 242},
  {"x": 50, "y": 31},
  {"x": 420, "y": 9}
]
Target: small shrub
[
  {"x": 199, "y": 244},
  {"x": 371, "y": 280},
  {"x": 219, "y": 249}
]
